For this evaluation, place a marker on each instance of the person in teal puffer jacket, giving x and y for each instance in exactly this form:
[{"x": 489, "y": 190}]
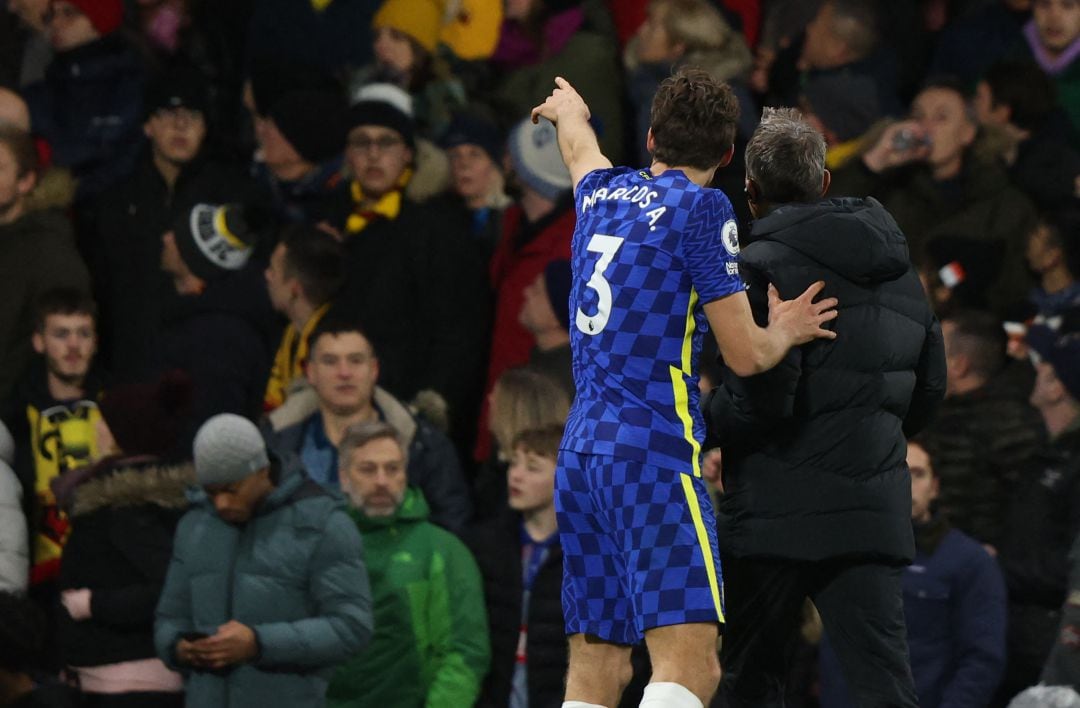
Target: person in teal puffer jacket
[
  {"x": 269, "y": 566},
  {"x": 431, "y": 644}
]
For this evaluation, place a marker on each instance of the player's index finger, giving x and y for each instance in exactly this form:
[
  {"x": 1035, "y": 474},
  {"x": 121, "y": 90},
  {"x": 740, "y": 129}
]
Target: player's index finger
[{"x": 562, "y": 83}]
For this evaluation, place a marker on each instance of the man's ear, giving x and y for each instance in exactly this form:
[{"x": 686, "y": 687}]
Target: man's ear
[
  {"x": 38, "y": 341},
  {"x": 650, "y": 142},
  {"x": 826, "y": 181},
  {"x": 726, "y": 159},
  {"x": 25, "y": 184},
  {"x": 750, "y": 189}
]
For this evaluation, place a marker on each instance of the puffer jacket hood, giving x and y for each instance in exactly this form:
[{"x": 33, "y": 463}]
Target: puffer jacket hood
[
  {"x": 856, "y": 238},
  {"x": 128, "y": 484}
]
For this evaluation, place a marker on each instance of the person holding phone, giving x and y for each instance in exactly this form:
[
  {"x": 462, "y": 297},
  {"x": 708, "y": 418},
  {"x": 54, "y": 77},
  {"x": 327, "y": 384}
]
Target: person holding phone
[{"x": 266, "y": 591}]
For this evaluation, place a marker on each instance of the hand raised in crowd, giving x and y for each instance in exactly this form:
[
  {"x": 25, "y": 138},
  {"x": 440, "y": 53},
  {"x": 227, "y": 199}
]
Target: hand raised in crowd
[
  {"x": 900, "y": 144},
  {"x": 234, "y": 643},
  {"x": 563, "y": 100},
  {"x": 803, "y": 318}
]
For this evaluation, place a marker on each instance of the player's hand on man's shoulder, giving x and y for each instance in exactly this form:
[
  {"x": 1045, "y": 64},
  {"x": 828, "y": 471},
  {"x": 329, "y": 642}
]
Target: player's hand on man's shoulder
[
  {"x": 801, "y": 318},
  {"x": 564, "y": 100}
]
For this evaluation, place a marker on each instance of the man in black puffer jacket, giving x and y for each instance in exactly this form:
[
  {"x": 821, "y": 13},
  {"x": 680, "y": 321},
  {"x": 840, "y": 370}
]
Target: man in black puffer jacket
[{"x": 817, "y": 496}]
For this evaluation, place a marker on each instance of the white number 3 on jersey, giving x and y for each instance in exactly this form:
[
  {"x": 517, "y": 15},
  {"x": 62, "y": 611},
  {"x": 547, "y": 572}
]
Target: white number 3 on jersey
[{"x": 606, "y": 246}]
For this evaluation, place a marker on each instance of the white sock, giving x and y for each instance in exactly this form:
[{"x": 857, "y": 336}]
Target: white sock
[
  {"x": 579, "y": 704},
  {"x": 669, "y": 695}
]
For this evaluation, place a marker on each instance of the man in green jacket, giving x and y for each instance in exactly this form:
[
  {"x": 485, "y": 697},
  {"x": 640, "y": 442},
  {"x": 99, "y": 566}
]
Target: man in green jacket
[
  {"x": 266, "y": 591},
  {"x": 430, "y": 647}
]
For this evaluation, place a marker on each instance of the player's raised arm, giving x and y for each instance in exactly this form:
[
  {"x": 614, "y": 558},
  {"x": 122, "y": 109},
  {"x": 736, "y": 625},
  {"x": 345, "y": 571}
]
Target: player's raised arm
[{"x": 577, "y": 140}]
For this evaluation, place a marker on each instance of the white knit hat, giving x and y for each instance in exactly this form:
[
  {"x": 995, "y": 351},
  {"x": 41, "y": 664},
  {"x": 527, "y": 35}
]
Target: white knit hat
[
  {"x": 228, "y": 448},
  {"x": 534, "y": 152}
]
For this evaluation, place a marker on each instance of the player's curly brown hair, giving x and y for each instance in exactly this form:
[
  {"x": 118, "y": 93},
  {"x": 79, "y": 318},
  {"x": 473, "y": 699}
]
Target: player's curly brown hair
[{"x": 693, "y": 119}]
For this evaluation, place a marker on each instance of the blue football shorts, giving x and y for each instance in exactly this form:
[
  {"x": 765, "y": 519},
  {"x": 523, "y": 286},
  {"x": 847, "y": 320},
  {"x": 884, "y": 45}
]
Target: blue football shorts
[{"x": 639, "y": 547}]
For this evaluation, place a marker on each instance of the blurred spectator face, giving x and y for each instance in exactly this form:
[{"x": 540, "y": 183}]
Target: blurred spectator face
[
  {"x": 518, "y": 10},
  {"x": 1058, "y": 23},
  {"x": 236, "y": 502},
  {"x": 374, "y": 479},
  {"x": 943, "y": 115},
  {"x": 924, "y": 483},
  {"x": 278, "y": 285},
  {"x": 823, "y": 48},
  {"x": 377, "y": 156},
  {"x": 530, "y": 481},
  {"x": 67, "y": 27},
  {"x": 277, "y": 153},
  {"x": 393, "y": 49},
  {"x": 13, "y": 186},
  {"x": 1041, "y": 252},
  {"x": 13, "y": 110},
  {"x": 176, "y": 134},
  {"x": 31, "y": 12},
  {"x": 342, "y": 369},
  {"x": 68, "y": 343},
  {"x": 536, "y": 313},
  {"x": 654, "y": 44},
  {"x": 472, "y": 172}
]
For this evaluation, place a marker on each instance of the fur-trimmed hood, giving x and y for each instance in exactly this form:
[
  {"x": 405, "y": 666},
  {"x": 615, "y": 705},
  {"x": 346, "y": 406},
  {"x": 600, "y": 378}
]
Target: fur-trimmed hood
[{"x": 135, "y": 485}]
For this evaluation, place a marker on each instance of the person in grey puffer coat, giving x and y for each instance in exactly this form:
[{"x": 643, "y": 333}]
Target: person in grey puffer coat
[{"x": 269, "y": 566}]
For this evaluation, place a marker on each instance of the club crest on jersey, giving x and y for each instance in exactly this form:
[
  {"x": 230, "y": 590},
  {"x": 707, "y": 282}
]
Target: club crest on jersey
[{"x": 729, "y": 234}]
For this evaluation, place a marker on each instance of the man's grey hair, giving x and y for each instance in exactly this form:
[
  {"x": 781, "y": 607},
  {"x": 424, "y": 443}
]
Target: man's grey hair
[
  {"x": 360, "y": 434},
  {"x": 786, "y": 158}
]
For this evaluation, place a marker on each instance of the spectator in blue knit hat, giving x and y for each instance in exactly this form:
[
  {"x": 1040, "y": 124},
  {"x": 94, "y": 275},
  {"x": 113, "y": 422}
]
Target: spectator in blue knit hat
[
  {"x": 266, "y": 591},
  {"x": 546, "y": 314},
  {"x": 1044, "y": 511},
  {"x": 475, "y": 148}
]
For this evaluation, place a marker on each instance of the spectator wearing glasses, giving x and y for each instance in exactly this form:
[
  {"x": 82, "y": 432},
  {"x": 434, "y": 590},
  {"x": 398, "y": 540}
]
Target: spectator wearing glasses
[{"x": 412, "y": 280}]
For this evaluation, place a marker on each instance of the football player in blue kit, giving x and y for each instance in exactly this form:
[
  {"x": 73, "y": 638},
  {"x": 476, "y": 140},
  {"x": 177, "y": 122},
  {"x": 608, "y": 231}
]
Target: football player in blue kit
[{"x": 655, "y": 266}]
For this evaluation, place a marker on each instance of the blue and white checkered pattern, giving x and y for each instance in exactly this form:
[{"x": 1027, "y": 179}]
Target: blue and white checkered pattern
[
  {"x": 638, "y": 366},
  {"x": 633, "y": 556}
]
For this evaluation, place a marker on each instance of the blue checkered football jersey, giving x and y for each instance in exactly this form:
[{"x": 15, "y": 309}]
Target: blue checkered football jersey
[{"x": 647, "y": 253}]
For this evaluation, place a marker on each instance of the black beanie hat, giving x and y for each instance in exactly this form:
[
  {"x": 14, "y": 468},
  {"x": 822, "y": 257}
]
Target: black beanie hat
[
  {"x": 178, "y": 89},
  {"x": 381, "y": 113},
  {"x": 215, "y": 240},
  {"x": 314, "y": 122},
  {"x": 475, "y": 129}
]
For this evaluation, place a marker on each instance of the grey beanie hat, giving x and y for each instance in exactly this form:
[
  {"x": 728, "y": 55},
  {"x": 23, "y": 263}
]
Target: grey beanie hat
[{"x": 228, "y": 448}]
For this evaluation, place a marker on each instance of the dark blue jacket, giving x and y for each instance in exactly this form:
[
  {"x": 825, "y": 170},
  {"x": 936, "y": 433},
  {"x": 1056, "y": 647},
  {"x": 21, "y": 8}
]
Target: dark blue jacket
[
  {"x": 954, "y": 605},
  {"x": 89, "y": 109}
]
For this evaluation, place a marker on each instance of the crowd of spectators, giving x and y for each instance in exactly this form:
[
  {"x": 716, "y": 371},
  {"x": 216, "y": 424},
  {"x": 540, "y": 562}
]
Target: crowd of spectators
[{"x": 332, "y": 223}]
